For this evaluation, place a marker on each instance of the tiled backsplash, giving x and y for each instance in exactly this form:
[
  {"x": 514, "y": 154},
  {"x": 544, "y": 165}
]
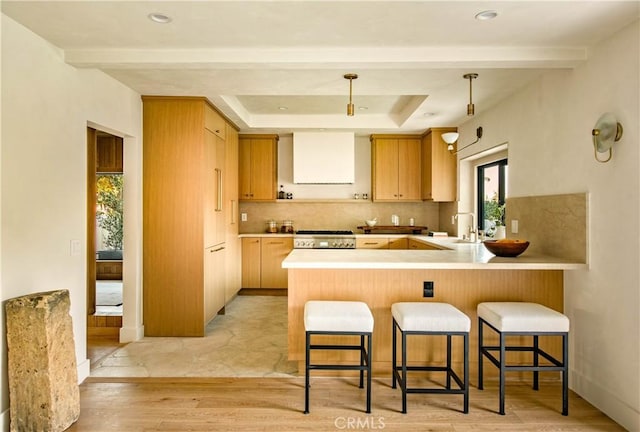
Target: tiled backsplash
[
  {"x": 554, "y": 225},
  {"x": 346, "y": 215}
]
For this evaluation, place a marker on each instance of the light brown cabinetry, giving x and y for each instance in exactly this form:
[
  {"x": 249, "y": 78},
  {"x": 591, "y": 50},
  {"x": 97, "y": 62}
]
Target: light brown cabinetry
[
  {"x": 399, "y": 243},
  {"x": 395, "y": 167},
  {"x": 183, "y": 242},
  {"x": 418, "y": 245},
  {"x": 391, "y": 243},
  {"x": 272, "y": 252},
  {"x": 108, "y": 153},
  {"x": 262, "y": 261},
  {"x": 258, "y": 167},
  {"x": 108, "y": 270},
  {"x": 233, "y": 263},
  {"x": 214, "y": 285},
  {"x": 438, "y": 167},
  {"x": 251, "y": 262},
  {"x": 372, "y": 243}
]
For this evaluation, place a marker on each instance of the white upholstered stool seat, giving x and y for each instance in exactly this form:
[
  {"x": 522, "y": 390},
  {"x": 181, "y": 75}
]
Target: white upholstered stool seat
[
  {"x": 338, "y": 316},
  {"x": 523, "y": 319},
  {"x": 430, "y": 319},
  {"x": 439, "y": 317},
  {"x": 338, "y": 319}
]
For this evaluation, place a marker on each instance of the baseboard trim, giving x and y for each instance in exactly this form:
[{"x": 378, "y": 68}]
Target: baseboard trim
[
  {"x": 4, "y": 420},
  {"x": 131, "y": 334},
  {"x": 607, "y": 402},
  {"x": 263, "y": 292},
  {"x": 84, "y": 370}
]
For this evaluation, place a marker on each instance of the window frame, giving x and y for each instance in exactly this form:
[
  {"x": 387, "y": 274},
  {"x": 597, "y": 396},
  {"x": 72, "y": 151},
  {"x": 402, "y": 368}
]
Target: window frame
[{"x": 502, "y": 165}]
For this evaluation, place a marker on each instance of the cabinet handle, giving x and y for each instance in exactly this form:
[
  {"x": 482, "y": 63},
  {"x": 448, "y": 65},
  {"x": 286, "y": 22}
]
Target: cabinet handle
[
  {"x": 275, "y": 242},
  {"x": 234, "y": 204},
  {"x": 217, "y": 250},
  {"x": 370, "y": 243},
  {"x": 219, "y": 191}
]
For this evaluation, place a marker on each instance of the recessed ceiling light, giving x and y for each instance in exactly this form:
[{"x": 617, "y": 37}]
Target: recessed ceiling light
[
  {"x": 283, "y": 108},
  {"x": 429, "y": 114},
  {"x": 486, "y": 15},
  {"x": 159, "y": 18},
  {"x": 363, "y": 108}
]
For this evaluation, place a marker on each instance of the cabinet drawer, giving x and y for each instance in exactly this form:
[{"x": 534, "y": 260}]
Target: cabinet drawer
[
  {"x": 214, "y": 122},
  {"x": 372, "y": 243}
]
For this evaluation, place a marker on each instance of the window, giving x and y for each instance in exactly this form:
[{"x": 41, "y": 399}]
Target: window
[{"x": 492, "y": 191}]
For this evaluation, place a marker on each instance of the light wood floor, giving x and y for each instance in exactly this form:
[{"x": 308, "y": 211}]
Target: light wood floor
[{"x": 276, "y": 404}]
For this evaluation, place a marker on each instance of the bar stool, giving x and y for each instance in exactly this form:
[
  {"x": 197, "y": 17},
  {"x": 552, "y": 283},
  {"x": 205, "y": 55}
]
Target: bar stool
[
  {"x": 338, "y": 318},
  {"x": 523, "y": 319},
  {"x": 430, "y": 319}
]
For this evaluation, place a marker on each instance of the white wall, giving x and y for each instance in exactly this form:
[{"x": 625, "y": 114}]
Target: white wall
[
  {"x": 548, "y": 127},
  {"x": 46, "y": 106}
]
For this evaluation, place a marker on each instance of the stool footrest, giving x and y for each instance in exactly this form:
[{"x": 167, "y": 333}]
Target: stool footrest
[
  {"x": 336, "y": 347},
  {"x": 451, "y": 373},
  {"x": 338, "y": 367},
  {"x": 557, "y": 363}
]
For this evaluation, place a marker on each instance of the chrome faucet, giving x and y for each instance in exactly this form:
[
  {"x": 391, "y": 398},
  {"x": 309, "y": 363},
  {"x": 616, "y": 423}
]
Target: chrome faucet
[{"x": 472, "y": 227}]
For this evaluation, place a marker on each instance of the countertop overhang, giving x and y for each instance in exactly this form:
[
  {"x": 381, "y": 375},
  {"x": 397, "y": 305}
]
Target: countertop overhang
[{"x": 453, "y": 255}]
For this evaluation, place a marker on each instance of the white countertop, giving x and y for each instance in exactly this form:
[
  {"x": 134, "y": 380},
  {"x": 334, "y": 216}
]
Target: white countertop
[{"x": 462, "y": 256}]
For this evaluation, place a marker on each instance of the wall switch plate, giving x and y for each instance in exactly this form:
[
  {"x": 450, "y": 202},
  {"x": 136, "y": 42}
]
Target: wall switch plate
[
  {"x": 427, "y": 289},
  {"x": 514, "y": 226},
  {"x": 243, "y": 217},
  {"x": 74, "y": 247}
]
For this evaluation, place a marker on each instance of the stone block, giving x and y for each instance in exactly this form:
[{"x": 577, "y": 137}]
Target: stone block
[{"x": 43, "y": 378}]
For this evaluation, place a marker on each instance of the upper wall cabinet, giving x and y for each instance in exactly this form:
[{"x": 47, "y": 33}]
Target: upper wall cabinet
[
  {"x": 438, "y": 167},
  {"x": 258, "y": 162},
  {"x": 395, "y": 167},
  {"x": 108, "y": 154}
]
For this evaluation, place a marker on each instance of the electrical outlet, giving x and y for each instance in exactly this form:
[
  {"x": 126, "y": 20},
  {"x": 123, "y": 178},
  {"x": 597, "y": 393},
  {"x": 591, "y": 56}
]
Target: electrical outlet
[
  {"x": 427, "y": 289},
  {"x": 243, "y": 217},
  {"x": 514, "y": 226}
]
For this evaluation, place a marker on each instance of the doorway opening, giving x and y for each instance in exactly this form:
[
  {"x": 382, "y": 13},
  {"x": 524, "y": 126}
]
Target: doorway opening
[{"x": 105, "y": 219}]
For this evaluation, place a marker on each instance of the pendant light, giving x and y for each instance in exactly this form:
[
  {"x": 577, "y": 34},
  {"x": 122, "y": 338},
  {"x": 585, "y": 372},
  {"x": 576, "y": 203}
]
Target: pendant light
[
  {"x": 470, "y": 106},
  {"x": 350, "y": 77}
]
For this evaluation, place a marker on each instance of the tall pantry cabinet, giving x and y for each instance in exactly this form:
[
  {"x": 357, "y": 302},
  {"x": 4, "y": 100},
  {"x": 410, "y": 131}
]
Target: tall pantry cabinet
[{"x": 185, "y": 215}]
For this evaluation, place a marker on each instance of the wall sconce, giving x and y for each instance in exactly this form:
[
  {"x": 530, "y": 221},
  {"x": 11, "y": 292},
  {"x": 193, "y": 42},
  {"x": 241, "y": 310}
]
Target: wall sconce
[
  {"x": 606, "y": 132},
  {"x": 350, "y": 77},
  {"x": 470, "y": 106},
  {"x": 451, "y": 138}
]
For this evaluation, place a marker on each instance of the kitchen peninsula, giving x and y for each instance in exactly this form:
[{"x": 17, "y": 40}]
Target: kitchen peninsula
[{"x": 463, "y": 274}]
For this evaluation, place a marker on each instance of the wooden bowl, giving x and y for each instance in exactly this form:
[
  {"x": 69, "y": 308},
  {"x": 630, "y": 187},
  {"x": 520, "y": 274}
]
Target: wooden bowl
[{"x": 506, "y": 247}]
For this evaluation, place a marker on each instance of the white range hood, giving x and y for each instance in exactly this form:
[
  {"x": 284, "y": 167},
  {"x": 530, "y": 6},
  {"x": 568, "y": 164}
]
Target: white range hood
[{"x": 323, "y": 157}]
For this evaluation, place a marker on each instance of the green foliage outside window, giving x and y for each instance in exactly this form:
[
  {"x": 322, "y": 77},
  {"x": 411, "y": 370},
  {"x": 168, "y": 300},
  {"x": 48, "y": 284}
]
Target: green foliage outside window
[
  {"x": 109, "y": 213},
  {"x": 494, "y": 211}
]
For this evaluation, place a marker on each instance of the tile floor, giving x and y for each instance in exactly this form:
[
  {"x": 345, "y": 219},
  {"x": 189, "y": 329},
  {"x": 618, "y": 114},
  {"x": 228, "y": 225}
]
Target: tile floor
[{"x": 250, "y": 340}]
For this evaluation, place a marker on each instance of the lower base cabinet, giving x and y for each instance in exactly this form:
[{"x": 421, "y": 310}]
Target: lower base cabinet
[
  {"x": 214, "y": 281},
  {"x": 262, "y": 261},
  {"x": 382, "y": 243}
]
